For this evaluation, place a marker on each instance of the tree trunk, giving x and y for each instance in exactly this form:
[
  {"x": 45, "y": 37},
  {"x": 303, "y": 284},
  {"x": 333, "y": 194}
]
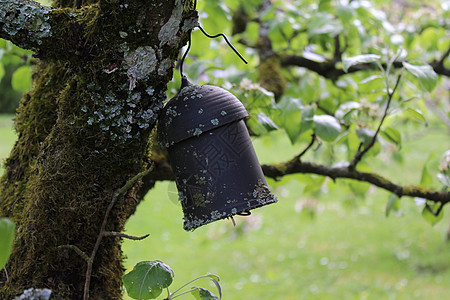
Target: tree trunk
[{"x": 83, "y": 133}]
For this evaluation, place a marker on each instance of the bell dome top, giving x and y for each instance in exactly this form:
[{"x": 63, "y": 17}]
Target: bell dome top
[{"x": 197, "y": 109}]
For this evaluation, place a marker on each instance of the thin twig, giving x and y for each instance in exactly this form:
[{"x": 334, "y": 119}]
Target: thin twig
[
  {"x": 6, "y": 273},
  {"x": 444, "y": 56},
  {"x": 123, "y": 235},
  {"x": 313, "y": 139},
  {"x": 437, "y": 212},
  {"x": 337, "y": 49},
  {"x": 119, "y": 193},
  {"x": 77, "y": 250},
  {"x": 184, "y": 285},
  {"x": 360, "y": 154}
]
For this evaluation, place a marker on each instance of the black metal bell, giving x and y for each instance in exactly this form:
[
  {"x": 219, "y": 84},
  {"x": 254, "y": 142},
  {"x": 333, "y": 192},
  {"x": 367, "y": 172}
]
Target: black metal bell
[{"x": 217, "y": 172}]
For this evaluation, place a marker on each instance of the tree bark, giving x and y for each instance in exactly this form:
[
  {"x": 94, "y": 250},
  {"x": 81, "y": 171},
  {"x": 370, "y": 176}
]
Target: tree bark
[{"x": 83, "y": 133}]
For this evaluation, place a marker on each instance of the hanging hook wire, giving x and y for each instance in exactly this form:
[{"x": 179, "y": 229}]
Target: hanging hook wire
[
  {"x": 226, "y": 40},
  {"x": 210, "y": 36},
  {"x": 184, "y": 55}
]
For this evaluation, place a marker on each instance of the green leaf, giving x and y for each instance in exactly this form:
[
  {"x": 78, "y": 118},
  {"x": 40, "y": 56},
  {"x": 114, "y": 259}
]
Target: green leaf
[
  {"x": 426, "y": 179},
  {"x": 392, "y": 135},
  {"x": 291, "y": 117},
  {"x": 148, "y": 279},
  {"x": 267, "y": 122},
  {"x": 345, "y": 110},
  {"x": 327, "y": 127},
  {"x": 365, "y": 135},
  {"x": 359, "y": 59},
  {"x": 216, "y": 280},
  {"x": 345, "y": 13},
  {"x": 415, "y": 115},
  {"x": 371, "y": 79},
  {"x": 203, "y": 294},
  {"x": 2, "y": 71},
  {"x": 393, "y": 204},
  {"x": 325, "y": 5},
  {"x": 7, "y": 229},
  {"x": 254, "y": 96},
  {"x": 307, "y": 118},
  {"x": 21, "y": 79},
  {"x": 424, "y": 73},
  {"x": 429, "y": 216},
  {"x": 324, "y": 23}
]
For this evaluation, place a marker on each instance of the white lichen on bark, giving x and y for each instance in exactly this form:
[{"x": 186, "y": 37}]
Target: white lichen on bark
[
  {"x": 27, "y": 18},
  {"x": 140, "y": 63},
  {"x": 168, "y": 32}
]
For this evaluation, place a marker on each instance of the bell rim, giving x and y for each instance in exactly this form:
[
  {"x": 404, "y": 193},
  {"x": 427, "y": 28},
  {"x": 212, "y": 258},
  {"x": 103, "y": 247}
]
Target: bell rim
[{"x": 234, "y": 211}]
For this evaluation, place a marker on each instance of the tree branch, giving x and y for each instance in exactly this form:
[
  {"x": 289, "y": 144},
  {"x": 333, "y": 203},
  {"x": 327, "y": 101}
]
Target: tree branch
[
  {"x": 439, "y": 67},
  {"x": 360, "y": 154},
  {"x": 295, "y": 166},
  {"x": 117, "y": 195},
  {"x": 163, "y": 171},
  {"x": 127, "y": 236},
  {"x": 77, "y": 250},
  {"x": 328, "y": 69},
  {"x": 444, "y": 57},
  {"x": 313, "y": 139},
  {"x": 39, "y": 28},
  {"x": 24, "y": 23}
]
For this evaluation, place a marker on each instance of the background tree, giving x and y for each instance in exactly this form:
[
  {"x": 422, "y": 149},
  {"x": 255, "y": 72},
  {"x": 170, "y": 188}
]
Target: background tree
[
  {"x": 337, "y": 75},
  {"x": 342, "y": 76}
]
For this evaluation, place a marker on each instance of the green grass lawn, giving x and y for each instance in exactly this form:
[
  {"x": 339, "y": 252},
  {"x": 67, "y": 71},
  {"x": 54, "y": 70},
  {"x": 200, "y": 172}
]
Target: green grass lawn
[
  {"x": 7, "y": 137},
  {"x": 281, "y": 252}
]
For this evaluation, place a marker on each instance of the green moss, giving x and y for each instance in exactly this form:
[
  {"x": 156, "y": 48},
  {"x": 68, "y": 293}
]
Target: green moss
[
  {"x": 83, "y": 132},
  {"x": 281, "y": 167},
  {"x": 36, "y": 116},
  {"x": 271, "y": 77},
  {"x": 412, "y": 190}
]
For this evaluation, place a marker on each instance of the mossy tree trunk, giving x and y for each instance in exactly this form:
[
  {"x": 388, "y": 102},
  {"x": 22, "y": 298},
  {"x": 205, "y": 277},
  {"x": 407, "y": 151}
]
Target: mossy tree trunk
[{"x": 83, "y": 131}]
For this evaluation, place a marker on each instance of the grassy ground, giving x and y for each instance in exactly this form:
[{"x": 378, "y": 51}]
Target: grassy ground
[
  {"x": 280, "y": 252},
  {"x": 7, "y": 137}
]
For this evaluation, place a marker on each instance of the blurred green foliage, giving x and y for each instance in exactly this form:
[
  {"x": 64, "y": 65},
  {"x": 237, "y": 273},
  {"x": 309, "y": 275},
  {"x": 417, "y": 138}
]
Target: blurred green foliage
[
  {"x": 15, "y": 75},
  {"x": 367, "y": 44},
  {"x": 7, "y": 229}
]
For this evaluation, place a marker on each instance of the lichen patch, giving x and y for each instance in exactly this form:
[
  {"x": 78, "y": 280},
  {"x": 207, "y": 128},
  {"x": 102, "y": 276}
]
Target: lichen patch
[
  {"x": 140, "y": 63},
  {"x": 32, "y": 18},
  {"x": 168, "y": 32}
]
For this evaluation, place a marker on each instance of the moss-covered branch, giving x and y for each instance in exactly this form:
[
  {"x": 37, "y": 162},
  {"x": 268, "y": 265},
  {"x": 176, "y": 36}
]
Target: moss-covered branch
[
  {"x": 295, "y": 166},
  {"x": 26, "y": 24},
  {"x": 33, "y": 26},
  {"x": 162, "y": 171}
]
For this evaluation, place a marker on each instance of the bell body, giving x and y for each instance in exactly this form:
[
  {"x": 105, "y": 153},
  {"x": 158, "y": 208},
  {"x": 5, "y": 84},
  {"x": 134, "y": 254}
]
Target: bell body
[{"x": 216, "y": 168}]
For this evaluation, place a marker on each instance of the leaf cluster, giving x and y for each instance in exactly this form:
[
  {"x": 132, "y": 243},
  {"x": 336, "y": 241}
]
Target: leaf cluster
[
  {"x": 148, "y": 279},
  {"x": 357, "y": 74}
]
